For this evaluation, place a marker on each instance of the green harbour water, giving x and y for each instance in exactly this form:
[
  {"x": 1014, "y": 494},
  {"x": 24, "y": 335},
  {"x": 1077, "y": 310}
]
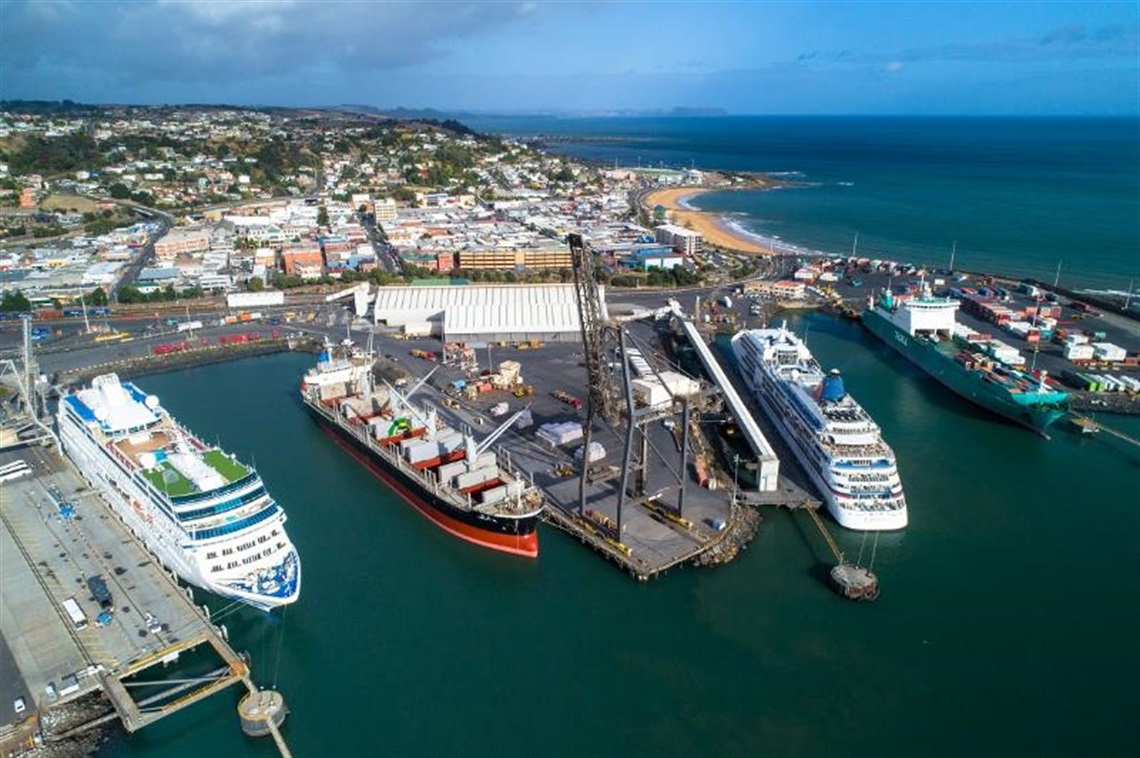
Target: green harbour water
[{"x": 1009, "y": 622}]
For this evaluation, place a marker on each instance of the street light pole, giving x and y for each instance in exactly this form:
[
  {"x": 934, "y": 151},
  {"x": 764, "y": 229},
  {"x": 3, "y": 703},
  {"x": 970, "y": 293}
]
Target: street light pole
[{"x": 735, "y": 469}]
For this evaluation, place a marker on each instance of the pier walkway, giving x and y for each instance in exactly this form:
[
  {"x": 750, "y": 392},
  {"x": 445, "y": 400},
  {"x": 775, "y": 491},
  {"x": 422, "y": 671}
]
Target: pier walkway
[
  {"x": 1091, "y": 426},
  {"x": 769, "y": 464}
]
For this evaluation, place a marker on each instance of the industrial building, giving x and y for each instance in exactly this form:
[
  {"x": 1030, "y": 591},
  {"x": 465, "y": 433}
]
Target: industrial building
[{"x": 483, "y": 313}]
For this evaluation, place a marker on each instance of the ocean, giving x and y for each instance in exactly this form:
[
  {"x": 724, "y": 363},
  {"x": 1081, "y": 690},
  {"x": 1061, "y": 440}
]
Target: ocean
[
  {"x": 1021, "y": 196},
  {"x": 1010, "y": 617},
  {"x": 1009, "y": 622}
]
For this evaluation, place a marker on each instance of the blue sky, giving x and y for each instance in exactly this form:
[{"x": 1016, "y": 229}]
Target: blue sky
[{"x": 1036, "y": 58}]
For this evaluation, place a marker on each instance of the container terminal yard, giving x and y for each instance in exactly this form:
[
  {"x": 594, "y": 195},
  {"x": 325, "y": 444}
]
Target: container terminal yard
[{"x": 701, "y": 461}]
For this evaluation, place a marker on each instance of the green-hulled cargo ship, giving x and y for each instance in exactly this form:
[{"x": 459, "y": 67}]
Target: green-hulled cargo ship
[{"x": 925, "y": 329}]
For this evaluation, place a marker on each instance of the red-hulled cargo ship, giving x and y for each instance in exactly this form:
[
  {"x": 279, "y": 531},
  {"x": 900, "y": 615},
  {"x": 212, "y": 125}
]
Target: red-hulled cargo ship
[{"x": 454, "y": 480}]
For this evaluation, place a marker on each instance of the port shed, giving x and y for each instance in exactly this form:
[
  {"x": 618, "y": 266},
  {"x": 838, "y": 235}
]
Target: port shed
[{"x": 544, "y": 312}]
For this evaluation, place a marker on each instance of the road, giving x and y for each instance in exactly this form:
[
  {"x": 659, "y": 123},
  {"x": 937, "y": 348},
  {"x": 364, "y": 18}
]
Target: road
[
  {"x": 386, "y": 256},
  {"x": 145, "y": 255}
]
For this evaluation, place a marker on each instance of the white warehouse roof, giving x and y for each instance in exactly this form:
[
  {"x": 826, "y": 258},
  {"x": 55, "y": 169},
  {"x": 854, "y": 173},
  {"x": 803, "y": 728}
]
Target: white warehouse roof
[{"x": 478, "y": 309}]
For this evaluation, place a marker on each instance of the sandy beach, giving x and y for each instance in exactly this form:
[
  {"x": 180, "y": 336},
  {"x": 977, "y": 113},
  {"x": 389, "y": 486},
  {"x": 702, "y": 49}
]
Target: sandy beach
[{"x": 714, "y": 229}]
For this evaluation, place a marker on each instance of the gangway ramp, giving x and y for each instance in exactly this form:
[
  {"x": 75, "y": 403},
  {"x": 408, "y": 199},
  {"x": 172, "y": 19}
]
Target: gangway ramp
[{"x": 768, "y": 472}]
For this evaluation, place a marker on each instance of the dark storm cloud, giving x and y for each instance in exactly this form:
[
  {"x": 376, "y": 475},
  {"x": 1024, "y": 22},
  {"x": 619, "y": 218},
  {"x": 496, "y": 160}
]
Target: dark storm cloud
[{"x": 148, "y": 42}]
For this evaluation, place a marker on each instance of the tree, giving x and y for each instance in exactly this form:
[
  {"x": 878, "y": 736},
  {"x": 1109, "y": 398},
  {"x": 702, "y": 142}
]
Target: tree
[
  {"x": 255, "y": 284},
  {"x": 14, "y": 301},
  {"x": 322, "y": 216},
  {"x": 131, "y": 294},
  {"x": 119, "y": 191},
  {"x": 97, "y": 297}
]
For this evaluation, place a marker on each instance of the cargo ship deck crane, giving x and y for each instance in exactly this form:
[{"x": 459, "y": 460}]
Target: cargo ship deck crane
[{"x": 475, "y": 449}]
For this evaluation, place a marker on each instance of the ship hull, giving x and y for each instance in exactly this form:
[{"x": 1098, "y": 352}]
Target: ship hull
[
  {"x": 960, "y": 380},
  {"x": 516, "y": 536}
]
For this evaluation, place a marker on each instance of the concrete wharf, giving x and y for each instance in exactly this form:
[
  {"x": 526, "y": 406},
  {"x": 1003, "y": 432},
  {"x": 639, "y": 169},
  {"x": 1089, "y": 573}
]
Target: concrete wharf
[{"x": 55, "y": 534}]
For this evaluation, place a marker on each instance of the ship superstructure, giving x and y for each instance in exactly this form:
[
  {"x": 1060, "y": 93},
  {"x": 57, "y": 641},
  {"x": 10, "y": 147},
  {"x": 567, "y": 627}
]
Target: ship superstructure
[
  {"x": 833, "y": 437},
  {"x": 925, "y": 329},
  {"x": 206, "y": 515},
  {"x": 463, "y": 485}
]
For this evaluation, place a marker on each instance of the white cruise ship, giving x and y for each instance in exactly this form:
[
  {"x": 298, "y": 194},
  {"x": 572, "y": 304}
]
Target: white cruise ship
[
  {"x": 204, "y": 514},
  {"x": 837, "y": 442}
]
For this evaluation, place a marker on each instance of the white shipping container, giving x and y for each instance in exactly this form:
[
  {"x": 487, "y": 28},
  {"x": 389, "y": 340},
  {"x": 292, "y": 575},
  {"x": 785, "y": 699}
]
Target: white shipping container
[
  {"x": 679, "y": 384},
  {"x": 255, "y": 299},
  {"x": 650, "y": 392},
  {"x": 1076, "y": 339},
  {"x": 1106, "y": 351},
  {"x": 1078, "y": 352}
]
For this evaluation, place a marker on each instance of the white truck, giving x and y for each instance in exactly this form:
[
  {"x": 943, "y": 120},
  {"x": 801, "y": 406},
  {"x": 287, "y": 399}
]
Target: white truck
[{"x": 75, "y": 613}]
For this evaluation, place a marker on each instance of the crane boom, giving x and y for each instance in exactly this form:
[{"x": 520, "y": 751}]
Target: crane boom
[{"x": 603, "y": 398}]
